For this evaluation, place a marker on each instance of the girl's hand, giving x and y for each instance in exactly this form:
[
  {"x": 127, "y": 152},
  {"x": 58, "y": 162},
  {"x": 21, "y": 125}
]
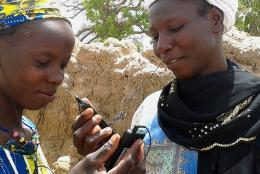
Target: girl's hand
[
  {"x": 87, "y": 134},
  {"x": 132, "y": 163}
]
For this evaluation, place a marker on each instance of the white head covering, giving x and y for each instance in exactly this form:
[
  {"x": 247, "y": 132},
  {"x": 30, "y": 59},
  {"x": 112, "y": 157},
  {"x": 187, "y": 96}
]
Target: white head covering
[{"x": 228, "y": 7}]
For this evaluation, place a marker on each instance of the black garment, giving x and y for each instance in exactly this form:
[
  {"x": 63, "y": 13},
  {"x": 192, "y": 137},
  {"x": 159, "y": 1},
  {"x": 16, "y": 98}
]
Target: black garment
[{"x": 222, "y": 108}]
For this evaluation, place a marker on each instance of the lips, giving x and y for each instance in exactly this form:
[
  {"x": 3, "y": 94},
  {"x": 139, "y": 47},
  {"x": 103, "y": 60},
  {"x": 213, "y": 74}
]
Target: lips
[
  {"x": 48, "y": 93},
  {"x": 171, "y": 60}
]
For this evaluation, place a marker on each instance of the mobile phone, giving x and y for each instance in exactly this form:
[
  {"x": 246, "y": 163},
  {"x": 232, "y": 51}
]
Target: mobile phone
[
  {"x": 126, "y": 142},
  {"x": 85, "y": 105},
  {"x": 128, "y": 138}
]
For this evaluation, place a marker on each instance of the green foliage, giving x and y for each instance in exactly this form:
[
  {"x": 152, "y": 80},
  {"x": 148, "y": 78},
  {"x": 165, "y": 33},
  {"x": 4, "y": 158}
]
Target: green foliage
[
  {"x": 116, "y": 18},
  {"x": 122, "y": 18},
  {"x": 248, "y": 16}
]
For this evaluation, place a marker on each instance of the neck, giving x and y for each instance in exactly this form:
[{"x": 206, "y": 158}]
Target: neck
[
  {"x": 218, "y": 61},
  {"x": 10, "y": 113}
]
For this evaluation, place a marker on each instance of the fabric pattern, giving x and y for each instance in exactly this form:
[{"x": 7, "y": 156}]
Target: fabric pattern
[
  {"x": 14, "y": 163},
  {"x": 165, "y": 156},
  {"x": 14, "y": 12}
]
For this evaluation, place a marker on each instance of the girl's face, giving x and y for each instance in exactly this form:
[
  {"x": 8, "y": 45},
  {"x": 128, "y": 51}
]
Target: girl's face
[
  {"x": 33, "y": 60},
  {"x": 185, "y": 41}
]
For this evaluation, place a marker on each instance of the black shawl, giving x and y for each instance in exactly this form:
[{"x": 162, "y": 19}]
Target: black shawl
[{"x": 218, "y": 115}]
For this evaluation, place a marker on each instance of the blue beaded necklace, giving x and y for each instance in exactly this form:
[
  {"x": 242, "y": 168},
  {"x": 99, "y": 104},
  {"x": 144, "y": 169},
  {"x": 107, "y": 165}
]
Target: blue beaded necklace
[{"x": 4, "y": 129}]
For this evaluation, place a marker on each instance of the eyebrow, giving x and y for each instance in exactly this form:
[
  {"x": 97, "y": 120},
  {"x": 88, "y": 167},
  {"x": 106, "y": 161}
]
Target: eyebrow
[
  {"x": 172, "y": 20},
  {"x": 51, "y": 56}
]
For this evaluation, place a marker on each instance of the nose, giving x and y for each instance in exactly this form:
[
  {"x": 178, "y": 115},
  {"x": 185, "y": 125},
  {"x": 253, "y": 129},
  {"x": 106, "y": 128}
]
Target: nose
[
  {"x": 165, "y": 43},
  {"x": 56, "y": 76}
]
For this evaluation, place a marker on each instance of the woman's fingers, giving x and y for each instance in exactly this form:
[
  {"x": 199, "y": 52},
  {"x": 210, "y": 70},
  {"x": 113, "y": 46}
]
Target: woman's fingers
[
  {"x": 88, "y": 127},
  {"x": 82, "y": 118},
  {"x": 87, "y": 134},
  {"x": 100, "y": 156},
  {"x": 95, "y": 140},
  {"x": 141, "y": 155},
  {"x": 130, "y": 161},
  {"x": 94, "y": 162},
  {"x": 135, "y": 151},
  {"x": 80, "y": 134},
  {"x": 139, "y": 168}
]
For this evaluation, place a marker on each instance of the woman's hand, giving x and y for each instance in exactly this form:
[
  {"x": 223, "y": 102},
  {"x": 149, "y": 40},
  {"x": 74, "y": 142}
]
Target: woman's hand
[
  {"x": 132, "y": 162},
  {"x": 87, "y": 134}
]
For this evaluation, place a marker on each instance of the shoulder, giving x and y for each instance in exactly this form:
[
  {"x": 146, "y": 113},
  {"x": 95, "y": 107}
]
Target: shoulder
[
  {"x": 152, "y": 98},
  {"x": 150, "y": 101},
  {"x": 147, "y": 109}
]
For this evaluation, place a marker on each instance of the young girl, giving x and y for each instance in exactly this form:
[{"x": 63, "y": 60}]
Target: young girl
[{"x": 36, "y": 43}]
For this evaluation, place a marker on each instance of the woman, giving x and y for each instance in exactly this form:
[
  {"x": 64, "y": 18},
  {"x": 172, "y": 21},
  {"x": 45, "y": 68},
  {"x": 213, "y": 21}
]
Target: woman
[
  {"x": 206, "y": 120},
  {"x": 36, "y": 44}
]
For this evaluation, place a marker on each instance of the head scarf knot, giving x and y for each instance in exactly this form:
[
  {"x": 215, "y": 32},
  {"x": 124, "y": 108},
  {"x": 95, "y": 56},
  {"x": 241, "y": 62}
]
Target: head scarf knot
[
  {"x": 15, "y": 12},
  {"x": 228, "y": 7}
]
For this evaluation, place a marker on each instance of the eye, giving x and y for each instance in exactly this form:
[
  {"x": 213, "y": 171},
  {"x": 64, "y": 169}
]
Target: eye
[
  {"x": 42, "y": 63},
  {"x": 176, "y": 28}
]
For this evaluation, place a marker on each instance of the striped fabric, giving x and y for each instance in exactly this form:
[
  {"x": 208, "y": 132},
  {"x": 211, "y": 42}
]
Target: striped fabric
[
  {"x": 15, "y": 12},
  {"x": 13, "y": 163}
]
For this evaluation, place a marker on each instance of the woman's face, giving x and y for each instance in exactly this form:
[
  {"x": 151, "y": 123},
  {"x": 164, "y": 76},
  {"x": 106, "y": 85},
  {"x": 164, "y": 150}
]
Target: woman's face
[
  {"x": 33, "y": 60},
  {"x": 182, "y": 38}
]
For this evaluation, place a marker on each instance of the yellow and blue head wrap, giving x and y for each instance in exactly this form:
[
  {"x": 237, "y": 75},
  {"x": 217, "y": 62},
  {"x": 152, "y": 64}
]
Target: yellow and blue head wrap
[{"x": 15, "y": 12}]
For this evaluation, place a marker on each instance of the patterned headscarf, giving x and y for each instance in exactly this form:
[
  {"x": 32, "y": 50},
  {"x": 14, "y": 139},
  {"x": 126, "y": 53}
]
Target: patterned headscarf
[
  {"x": 15, "y": 12},
  {"x": 228, "y": 7}
]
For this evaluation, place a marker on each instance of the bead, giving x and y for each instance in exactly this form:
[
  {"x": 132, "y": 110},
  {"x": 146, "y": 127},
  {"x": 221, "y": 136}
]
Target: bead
[
  {"x": 15, "y": 134},
  {"x": 226, "y": 145},
  {"x": 21, "y": 140},
  {"x": 12, "y": 147}
]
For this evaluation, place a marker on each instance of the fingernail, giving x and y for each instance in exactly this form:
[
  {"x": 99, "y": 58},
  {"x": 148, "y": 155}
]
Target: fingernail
[
  {"x": 97, "y": 118},
  {"x": 108, "y": 129},
  {"x": 142, "y": 146},
  {"x": 139, "y": 141},
  {"x": 113, "y": 139}
]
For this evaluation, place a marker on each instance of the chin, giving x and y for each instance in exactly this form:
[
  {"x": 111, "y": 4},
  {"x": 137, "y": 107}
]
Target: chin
[{"x": 35, "y": 106}]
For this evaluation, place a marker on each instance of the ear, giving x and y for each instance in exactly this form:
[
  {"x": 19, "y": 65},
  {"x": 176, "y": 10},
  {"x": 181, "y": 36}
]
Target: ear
[{"x": 216, "y": 18}]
